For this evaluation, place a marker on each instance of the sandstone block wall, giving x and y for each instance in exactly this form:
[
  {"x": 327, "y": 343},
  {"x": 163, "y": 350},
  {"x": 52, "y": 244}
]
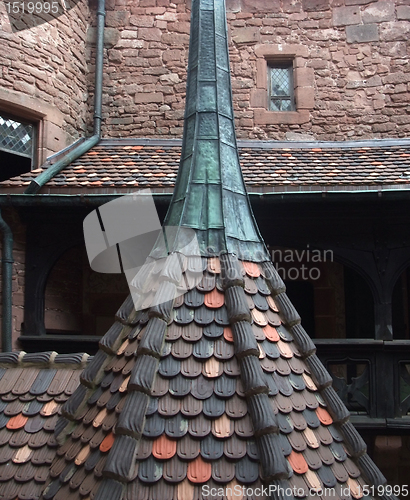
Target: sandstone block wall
[
  {"x": 43, "y": 75},
  {"x": 352, "y": 67}
]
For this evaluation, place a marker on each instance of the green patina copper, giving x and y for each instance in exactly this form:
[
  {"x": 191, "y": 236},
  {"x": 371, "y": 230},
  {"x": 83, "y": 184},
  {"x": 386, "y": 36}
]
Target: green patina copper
[{"x": 210, "y": 194}]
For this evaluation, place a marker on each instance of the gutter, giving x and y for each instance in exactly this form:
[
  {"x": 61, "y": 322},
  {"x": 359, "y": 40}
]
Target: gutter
[
  {"x": 95, "y": 200},
  {"x": 37, "y": 183},
  {"x": 6, "y": 285}
]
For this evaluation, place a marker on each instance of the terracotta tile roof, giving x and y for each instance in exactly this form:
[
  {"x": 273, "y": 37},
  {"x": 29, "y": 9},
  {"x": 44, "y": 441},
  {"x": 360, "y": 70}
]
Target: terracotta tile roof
[
  {"x": 130, "y": 164},
  {"x": 33, "y": 388},
  {"x": 221, "y": 387}
]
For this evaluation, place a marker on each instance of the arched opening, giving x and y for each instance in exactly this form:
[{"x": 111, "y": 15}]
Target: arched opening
[
  {"x": 333, "y": 300},
  {"x": 79, "y": 301}
]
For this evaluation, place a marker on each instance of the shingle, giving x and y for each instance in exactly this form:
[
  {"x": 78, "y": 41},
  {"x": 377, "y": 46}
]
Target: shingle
[
  {"x": 236, "y": 407},
  {"x": 181, "y": 349},
  {"x": 199, "y": 427},
  {"x": 313, "y": 459},
  {"x": 223, "y": 471},
  {"x": 183, "y": 315},
  {"x": 234, "y": 448},
  {"x": 169, "y": 367},
  {"x": 223, "y": 350},
  {"x": 190, "y": 367},
  {"x": 213, "y": 331},
  {"x": 192, "y": 332},
  {"x": 180, "y": 386},
  {"x": 154, "y": 426},
  {"x": 199, "y": 471},
  {"x": 327, "y": 477},
  {"x": 203, "y": 315},
  {"x": 207, "y": 282},
  {"x": 188, "y": 448},
  {"x": 213, "y": 407},
  {"x": 175, "y": 470},
  {"x": 176, "y": 426},
  {"x": 168, "y": 405},
  {"x": 144, "y": 449},
  {"x": 191, "y": 406},
  {"x": 338, "y": 451}
]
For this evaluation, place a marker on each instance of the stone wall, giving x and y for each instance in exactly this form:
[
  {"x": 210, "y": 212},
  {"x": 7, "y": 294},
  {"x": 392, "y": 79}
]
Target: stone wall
[
  {"x": 18, "y": 275},
  {"x": 351, "y": 57},
  {"x": 43, "y": 75}
]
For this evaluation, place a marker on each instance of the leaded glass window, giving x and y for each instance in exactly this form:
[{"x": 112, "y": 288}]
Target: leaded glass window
[
  {"x": 281, "y": 87},
  {"x": 16, "y": 137},
  {"x": 17, "y": 146}
]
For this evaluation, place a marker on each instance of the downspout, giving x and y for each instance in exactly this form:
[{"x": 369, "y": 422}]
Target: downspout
[
  {"x": 6, "y": 285},
  {"x": 37, "y": 183}
]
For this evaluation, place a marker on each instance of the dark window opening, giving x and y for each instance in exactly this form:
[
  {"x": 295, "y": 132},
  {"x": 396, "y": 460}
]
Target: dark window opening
[
  {"x": 281, "y": 94},
  {"x": 401, "y": 306},
  {"x": 79, "y": 301},
  {"x": 17, "y": 142},
  {"x": 359, "y": 306},
  {"x": 301, "y": 293}
]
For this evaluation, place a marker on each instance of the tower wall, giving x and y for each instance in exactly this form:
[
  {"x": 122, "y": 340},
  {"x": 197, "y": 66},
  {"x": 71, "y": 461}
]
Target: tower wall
[
  {"x": 350, "y": 61},
  {"x": 43, "y": 73}
]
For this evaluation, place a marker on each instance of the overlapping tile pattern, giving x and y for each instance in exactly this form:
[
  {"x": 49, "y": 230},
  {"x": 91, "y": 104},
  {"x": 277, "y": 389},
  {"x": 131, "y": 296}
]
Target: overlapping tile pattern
[
  {"x": 33, "y": 388},
  {"x": 220, "y": 387},
  {"x": 113, "y": 164}
]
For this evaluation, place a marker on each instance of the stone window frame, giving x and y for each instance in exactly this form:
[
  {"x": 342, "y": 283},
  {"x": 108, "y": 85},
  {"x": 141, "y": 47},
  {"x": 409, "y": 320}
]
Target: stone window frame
[
  {"x": 47, "y": 119},
  {"x": 303, "y": 79}
]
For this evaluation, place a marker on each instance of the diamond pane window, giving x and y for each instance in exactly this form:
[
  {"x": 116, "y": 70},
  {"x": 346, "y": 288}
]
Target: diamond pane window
[
  {"x": 281, "y": 87},
  {"x": 17, "y": 147},
  {"x": 16, "y": 137}
]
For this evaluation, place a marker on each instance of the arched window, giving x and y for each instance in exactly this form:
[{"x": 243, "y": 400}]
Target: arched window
[{"x": 79, "y": 301}]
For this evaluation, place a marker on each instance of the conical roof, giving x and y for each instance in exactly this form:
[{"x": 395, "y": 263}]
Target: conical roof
[{"x": 217, "y": 393}]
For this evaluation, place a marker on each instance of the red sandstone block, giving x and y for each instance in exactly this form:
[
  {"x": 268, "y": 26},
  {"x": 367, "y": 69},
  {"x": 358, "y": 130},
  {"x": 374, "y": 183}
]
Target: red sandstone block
[
  {"x": 258, "y": 98},
  {"x": 150, "y": 34},
  {"x": 148, "y": 97},
  {"x": 305, "y": 97},
  {"x": 304, "y": 77},
  {"x": 246, "y": 35},
  {"x": 142, "y": 21}
]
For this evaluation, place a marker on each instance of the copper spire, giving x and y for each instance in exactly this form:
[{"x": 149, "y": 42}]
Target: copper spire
[{"x": 210, "y": 194}]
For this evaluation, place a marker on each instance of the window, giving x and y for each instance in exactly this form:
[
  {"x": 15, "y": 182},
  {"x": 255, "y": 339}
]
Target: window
[
  {"x": 17, "y": 140},
  {"x": 284, "y": 90},
  {"x": 281, "y": 94}
]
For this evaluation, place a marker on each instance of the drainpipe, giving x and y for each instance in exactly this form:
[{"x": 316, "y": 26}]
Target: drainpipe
[
  {"x": 37, "y": 183},
  {"x": 6, "y": 285}
]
